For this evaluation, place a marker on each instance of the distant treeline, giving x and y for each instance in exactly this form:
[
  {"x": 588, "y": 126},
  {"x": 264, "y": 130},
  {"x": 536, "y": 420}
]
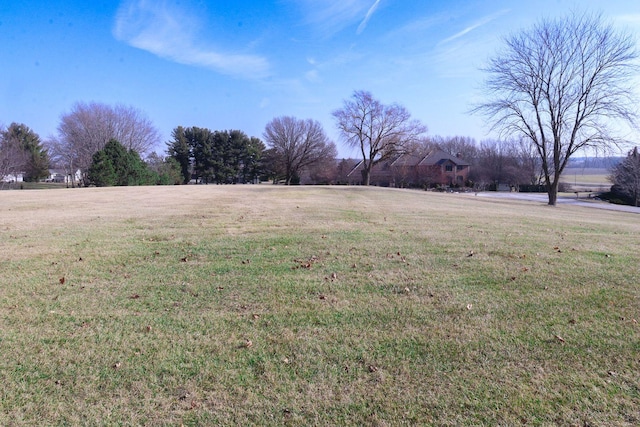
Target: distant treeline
[{"x": 594, "y": 162}]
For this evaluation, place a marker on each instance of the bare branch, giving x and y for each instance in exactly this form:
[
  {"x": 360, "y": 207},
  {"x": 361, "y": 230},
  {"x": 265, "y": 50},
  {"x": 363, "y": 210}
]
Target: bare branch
[
  {"x": 561, "y": 85},
  {"x": 378, "y": 131}
]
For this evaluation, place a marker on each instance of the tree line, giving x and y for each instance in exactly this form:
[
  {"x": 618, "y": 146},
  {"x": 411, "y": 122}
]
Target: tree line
[{"x": 552, "y": 91}]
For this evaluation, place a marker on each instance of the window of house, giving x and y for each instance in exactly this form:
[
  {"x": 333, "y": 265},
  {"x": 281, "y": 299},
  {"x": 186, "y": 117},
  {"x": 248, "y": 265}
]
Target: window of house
[
  {"x": 448, "y": 168},
  {"x": 460, "y": 167}
]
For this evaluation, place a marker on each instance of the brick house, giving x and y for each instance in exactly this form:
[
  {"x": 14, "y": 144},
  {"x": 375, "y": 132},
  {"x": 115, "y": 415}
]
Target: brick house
[{"x": 412, "y": 170}]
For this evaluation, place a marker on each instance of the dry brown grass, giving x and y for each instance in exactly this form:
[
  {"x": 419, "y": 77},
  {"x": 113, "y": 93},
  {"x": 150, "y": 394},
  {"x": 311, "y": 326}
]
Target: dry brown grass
[{"x": 267, "y": 305}]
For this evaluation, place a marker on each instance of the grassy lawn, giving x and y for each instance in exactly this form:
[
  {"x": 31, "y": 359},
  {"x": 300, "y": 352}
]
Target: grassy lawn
[
  {"x": 266, "y": 305},
  {"x": 587, "y": 179}
]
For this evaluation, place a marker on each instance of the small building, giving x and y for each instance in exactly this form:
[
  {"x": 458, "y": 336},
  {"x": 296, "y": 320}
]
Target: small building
[
  {"x": 13, "y": 177},
  {"x": 63, "y": 176}
]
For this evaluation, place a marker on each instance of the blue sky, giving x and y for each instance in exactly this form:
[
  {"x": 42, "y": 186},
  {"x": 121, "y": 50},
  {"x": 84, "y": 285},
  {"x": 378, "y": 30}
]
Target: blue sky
[{"x": 237, "y": 65}]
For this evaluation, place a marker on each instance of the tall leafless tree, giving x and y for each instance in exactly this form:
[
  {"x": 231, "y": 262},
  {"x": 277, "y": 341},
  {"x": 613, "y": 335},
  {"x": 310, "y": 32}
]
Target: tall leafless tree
[
  {"x": 297, "y": 144},
  {"x": 562, "y": 84},
  {"x": 88, "y": 127},
  {"x": 379, "y": 131}
]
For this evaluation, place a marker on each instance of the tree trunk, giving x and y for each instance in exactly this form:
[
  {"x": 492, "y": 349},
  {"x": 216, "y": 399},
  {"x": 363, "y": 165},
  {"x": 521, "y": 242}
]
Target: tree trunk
[
  {"x": 552, "y": 191},
  {"x": 366, "y": 176}
]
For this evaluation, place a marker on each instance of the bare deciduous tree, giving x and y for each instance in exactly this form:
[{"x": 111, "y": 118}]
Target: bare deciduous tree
[
  {"x": 460, "y": 146},
  {"x": 297, "y": 144},
  {"x": 379, "y": 131},
  {"x": 562, "y": 84},
  {"x": 88, "y": 127}
]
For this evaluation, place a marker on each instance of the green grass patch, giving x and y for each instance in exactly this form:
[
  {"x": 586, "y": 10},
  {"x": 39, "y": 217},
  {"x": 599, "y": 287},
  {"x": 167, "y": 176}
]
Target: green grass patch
[{"x": 265, "y": 305}]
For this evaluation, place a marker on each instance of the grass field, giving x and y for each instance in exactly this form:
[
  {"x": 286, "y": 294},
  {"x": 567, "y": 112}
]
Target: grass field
[
  {"x": 267, "y": 305},
  {"x": 587, "y": 179}
]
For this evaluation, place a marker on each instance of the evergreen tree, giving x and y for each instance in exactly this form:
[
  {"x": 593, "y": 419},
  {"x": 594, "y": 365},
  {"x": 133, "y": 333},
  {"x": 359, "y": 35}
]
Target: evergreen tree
[
  {"x": 180, "y": 150},
  {"x": 114, "y": 165},
  {"x": 101, "y": 172},
  {"x": 626, "y": 178},
  {"x": 28, "y": 154}
]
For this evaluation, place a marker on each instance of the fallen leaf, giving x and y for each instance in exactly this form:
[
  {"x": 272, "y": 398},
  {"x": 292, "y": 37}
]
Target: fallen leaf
[
  {"x": 248, "y": 344},
  {"x": 62, "y": 280},
  {"x": 134, "y": 296},
  {"x": 117, "y": 365},
  {"x": 372, "y": 368},
  {"x": 469, "y": 306},
  {"x": 559, "y": 338}
]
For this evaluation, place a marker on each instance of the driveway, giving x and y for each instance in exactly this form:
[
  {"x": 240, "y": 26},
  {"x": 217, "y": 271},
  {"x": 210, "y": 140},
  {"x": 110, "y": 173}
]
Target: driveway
[{"x": 565, "y": 200}]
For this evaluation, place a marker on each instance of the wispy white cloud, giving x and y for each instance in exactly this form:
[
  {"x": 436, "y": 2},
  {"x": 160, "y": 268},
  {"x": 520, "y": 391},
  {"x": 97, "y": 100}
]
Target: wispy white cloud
[
  {"x": 370, "y": 13},
  {"x": 169, "y": 31},
  {"x": 480, "y": 23},
  {"x": 330, "y": 16},
  {"x": 631, "y": 18}
]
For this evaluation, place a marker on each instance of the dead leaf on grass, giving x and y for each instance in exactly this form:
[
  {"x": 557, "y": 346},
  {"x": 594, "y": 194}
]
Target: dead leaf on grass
[
  {"x": 559, "y": 338},
  {"x": 134, "y": 296},
  {"x": 62, "y": 280}
]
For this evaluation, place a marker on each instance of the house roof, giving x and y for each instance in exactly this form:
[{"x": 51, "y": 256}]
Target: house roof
[
  {"x": 433, "y": 158},
  {"x": 437, "y": 157}
]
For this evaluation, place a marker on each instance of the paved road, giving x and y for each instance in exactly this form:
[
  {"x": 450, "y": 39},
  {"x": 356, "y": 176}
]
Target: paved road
[{"x": 542, "y": 198}]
